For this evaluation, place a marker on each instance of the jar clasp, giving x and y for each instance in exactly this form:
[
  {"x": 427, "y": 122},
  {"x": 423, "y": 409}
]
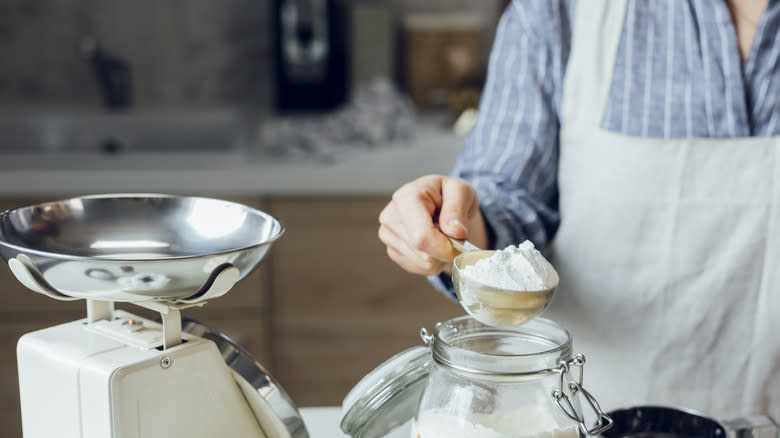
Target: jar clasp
[
  {"x": 427, "y": 338},
  {"x": 603, "y": 421}
]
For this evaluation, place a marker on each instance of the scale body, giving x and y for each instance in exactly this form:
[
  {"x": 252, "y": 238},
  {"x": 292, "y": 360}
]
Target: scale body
[
  {"x": 118, "y": 375},
  {"x": 100, "y": 380}
]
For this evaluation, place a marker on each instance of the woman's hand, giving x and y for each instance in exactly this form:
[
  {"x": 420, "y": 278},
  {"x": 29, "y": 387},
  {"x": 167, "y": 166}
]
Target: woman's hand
[{"x": 408, "y": 223}]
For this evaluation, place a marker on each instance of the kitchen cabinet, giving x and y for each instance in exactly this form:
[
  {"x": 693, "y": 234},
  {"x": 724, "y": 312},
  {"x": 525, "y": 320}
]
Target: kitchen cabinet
[
  {"x": 340, "y": 306},
  {"x": 324, "y": 308}
]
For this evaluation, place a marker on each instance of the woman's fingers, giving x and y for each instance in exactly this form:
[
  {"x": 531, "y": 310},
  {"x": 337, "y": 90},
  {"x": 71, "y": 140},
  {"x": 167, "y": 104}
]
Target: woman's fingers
[
  {"x": 402, "y": 248},
  {"x": 409, "y": 259},
  {"x": 408, "y": 224},
  {"x": 416, "y": 206},
  {"x": 459, "y": 202}
]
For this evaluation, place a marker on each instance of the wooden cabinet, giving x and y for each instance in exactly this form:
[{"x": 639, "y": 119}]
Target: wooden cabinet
[
  {"x": 340, "y": 306},
  {"x": 324, "y": 308}
]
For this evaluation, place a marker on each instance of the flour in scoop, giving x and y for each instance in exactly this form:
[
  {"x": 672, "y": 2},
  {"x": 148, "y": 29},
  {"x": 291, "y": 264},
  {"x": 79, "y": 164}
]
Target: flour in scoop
[
  {"x": 506, "y": 288},
  {"x": 514, "y": 268}
]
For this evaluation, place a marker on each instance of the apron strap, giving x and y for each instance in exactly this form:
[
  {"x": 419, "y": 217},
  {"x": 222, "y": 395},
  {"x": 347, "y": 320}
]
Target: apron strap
[{"x": 596, "y": 33}]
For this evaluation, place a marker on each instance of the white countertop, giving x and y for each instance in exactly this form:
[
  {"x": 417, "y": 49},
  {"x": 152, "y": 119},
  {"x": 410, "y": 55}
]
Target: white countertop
[
  {"x": 359, "y": 172},
  {"x": 323, "y": 422}
]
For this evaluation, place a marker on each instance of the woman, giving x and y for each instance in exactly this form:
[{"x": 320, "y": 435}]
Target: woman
[{"x": 637, "y": 141}]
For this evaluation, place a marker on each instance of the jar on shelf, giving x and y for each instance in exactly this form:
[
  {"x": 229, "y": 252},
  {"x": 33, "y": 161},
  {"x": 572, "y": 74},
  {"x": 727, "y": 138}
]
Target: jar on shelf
[{"x": 478, "y": 381}]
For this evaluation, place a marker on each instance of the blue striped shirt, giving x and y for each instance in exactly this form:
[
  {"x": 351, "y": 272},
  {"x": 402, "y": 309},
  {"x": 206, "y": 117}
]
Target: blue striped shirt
[{"x": 678, "y": 74}]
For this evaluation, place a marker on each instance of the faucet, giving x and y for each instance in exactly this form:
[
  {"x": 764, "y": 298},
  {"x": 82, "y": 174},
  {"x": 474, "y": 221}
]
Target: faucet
[{"x": 112, "y": 73}]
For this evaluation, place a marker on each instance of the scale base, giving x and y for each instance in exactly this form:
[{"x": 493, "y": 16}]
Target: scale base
[{"x": 112, "y": 379}]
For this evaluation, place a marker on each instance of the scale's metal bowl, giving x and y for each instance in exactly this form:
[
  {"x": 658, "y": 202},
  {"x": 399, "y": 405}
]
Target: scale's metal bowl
[{"x": 135, "y": 247}]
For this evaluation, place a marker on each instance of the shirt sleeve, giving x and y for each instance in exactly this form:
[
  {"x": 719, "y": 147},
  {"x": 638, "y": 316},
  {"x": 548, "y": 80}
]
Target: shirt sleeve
[{"x": 511, "y": 154}]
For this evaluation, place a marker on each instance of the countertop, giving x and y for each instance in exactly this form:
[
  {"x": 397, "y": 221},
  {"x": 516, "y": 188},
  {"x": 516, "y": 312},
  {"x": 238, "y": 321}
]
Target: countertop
[
  {"x": 323, "y": 422},
  {"x": 362, "y": 171}
]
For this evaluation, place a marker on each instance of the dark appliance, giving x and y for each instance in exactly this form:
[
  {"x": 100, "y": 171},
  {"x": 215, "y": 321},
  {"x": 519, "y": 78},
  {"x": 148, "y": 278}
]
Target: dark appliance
[{"x": 310, "y": 54}]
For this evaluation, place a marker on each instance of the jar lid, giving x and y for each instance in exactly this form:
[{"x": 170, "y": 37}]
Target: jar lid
[{"x": 388, "y": 396}]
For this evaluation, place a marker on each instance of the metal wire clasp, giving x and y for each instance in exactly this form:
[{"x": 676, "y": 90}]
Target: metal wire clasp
[
  {"x": 426, "y": 337},
  {"x": 603, "y": 421}
]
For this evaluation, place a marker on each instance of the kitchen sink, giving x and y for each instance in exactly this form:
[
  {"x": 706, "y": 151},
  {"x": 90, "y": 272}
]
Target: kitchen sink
[{"x": 83, "y": 134}]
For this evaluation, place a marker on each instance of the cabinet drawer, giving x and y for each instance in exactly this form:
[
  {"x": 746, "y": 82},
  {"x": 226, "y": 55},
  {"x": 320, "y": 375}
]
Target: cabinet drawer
[
  {"x": 331, "y": 262},
  {"x": 339, "y": 302}
]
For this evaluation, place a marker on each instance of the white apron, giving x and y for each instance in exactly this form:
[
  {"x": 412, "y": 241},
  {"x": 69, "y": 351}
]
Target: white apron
[{"x": 668, "y": 251}]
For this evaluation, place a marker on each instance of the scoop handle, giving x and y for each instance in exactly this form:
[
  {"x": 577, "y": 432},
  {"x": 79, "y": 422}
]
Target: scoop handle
[
  {"x": 463, "y": 245},
  {"x": 460, "y": 245}
]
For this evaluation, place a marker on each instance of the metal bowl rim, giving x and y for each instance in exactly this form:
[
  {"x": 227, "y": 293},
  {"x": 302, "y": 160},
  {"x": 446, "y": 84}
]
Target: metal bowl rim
[{"x": 60, "y": 256}]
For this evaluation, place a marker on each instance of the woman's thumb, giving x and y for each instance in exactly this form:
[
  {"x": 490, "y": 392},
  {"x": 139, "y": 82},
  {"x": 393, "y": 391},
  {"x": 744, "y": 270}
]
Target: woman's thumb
[{"x": 457, "y": 200}]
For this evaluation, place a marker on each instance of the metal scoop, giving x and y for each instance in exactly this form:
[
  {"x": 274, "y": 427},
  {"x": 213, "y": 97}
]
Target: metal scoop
[{"x": 490, "y": 305}]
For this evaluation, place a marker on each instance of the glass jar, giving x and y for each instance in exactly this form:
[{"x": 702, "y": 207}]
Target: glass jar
[
  {"x": 478, "y": 381},
  {"x": 501, "y": 382}
]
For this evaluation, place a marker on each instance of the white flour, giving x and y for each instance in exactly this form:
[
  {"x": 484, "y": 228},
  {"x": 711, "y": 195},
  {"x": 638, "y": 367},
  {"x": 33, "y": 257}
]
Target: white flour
[
  {"x": 515, "y": 268},
  {"x": 521, "y": 423}
]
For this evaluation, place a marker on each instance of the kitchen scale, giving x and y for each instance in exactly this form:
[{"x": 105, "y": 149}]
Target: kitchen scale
[{"x": 115, "y": 374}]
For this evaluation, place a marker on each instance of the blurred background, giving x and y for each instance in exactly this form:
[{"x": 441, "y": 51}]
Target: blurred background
[
  {"x": 237, "y": 52},
  {"x": 312, "y": 110}
]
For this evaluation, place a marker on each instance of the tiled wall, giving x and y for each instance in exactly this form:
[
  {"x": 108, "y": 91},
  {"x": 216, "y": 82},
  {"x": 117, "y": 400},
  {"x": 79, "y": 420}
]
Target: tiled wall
[{"x": 182, "y": 52}]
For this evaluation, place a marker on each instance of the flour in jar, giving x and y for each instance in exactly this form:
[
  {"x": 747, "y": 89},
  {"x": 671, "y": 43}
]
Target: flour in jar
[
  {"x": 515, "y": 268},
  {"x": 521, "y": 423}
]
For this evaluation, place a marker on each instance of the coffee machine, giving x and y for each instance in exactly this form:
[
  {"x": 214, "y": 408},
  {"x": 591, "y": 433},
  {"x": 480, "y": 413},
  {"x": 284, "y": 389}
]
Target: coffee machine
[{"x": 310, "y": 54}]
